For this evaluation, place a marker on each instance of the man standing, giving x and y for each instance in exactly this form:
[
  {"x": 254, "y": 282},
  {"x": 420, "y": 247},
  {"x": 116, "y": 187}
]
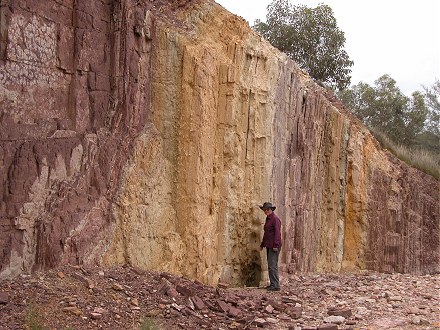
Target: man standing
[{"x": 272, "y": 243}]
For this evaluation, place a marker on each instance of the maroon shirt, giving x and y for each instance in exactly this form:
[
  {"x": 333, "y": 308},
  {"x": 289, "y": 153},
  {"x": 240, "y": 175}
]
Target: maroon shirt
[{"x": 272, "y": 232}]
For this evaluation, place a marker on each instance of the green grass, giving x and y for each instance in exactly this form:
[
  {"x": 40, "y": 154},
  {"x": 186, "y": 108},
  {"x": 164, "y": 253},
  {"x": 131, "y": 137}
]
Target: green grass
[
  {"x": 33, "y": 319},
  {"x": 149, "y": 324},
  {"x": 422, "y": 159}
]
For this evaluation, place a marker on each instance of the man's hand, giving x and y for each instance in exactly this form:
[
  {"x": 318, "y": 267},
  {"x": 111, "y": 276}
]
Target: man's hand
[{"x": 275, "y": 249}]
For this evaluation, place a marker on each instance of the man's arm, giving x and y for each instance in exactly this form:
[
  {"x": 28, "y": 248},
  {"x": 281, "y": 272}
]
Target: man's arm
[{"x": 277, "y": 242}]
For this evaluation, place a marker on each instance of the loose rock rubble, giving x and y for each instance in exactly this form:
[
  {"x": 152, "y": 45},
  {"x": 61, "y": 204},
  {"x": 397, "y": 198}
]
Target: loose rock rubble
[{"x": 73, "y": 297}]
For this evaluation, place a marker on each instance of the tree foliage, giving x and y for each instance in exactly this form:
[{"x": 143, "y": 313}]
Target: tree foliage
[
  {"x": 411, "y": 121},
  {"x": 432, "y": 97},
  {"x": 311, "y": 37}
]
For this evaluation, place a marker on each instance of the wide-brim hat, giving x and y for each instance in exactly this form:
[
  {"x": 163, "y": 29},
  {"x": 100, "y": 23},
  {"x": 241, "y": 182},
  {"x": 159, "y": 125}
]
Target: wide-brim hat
[{"x": 268, "y": 205}]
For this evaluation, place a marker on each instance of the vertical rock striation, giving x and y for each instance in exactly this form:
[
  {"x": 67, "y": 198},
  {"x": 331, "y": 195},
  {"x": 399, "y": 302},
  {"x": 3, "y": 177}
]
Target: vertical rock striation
[{"x": 149, "y": 133}]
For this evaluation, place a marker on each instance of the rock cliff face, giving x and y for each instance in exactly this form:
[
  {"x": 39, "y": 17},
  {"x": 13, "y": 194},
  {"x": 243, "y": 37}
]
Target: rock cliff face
[{"x": 149, "y": 133}]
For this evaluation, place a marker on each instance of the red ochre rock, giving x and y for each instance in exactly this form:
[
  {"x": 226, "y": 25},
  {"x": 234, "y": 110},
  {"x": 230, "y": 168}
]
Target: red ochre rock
[{"x": 147, "y": 133}]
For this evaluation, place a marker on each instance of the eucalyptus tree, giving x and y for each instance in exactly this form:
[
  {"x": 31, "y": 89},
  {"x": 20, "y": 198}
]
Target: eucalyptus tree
[
  {"x": 311, "y": 37},
  {"x": 385, "y": 108}
]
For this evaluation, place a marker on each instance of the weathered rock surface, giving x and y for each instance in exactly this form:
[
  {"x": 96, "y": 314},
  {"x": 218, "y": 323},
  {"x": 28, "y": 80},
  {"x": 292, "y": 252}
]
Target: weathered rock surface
[{"x": 148, "y": 132}]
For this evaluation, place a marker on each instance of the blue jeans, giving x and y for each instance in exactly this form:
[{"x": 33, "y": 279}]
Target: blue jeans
[{"x": 272, "y": 265}]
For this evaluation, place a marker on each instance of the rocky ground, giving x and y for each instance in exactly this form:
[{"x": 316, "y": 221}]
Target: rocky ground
[{"x": 127, "y": 298}]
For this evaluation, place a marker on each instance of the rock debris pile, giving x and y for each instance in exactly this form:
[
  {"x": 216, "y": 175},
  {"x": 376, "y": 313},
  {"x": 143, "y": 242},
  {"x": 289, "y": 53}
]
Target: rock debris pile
[{"x": 73, "y": 297}]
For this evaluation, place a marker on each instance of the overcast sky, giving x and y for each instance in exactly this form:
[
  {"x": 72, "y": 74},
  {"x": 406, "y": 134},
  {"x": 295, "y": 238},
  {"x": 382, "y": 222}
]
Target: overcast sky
[{"x": 400, "y": 38}]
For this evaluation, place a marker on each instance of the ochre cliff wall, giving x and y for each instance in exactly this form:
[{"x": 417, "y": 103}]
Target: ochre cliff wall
[
  {"x": 71, "y": 109},
  {"x": 149, "y": 134}
]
